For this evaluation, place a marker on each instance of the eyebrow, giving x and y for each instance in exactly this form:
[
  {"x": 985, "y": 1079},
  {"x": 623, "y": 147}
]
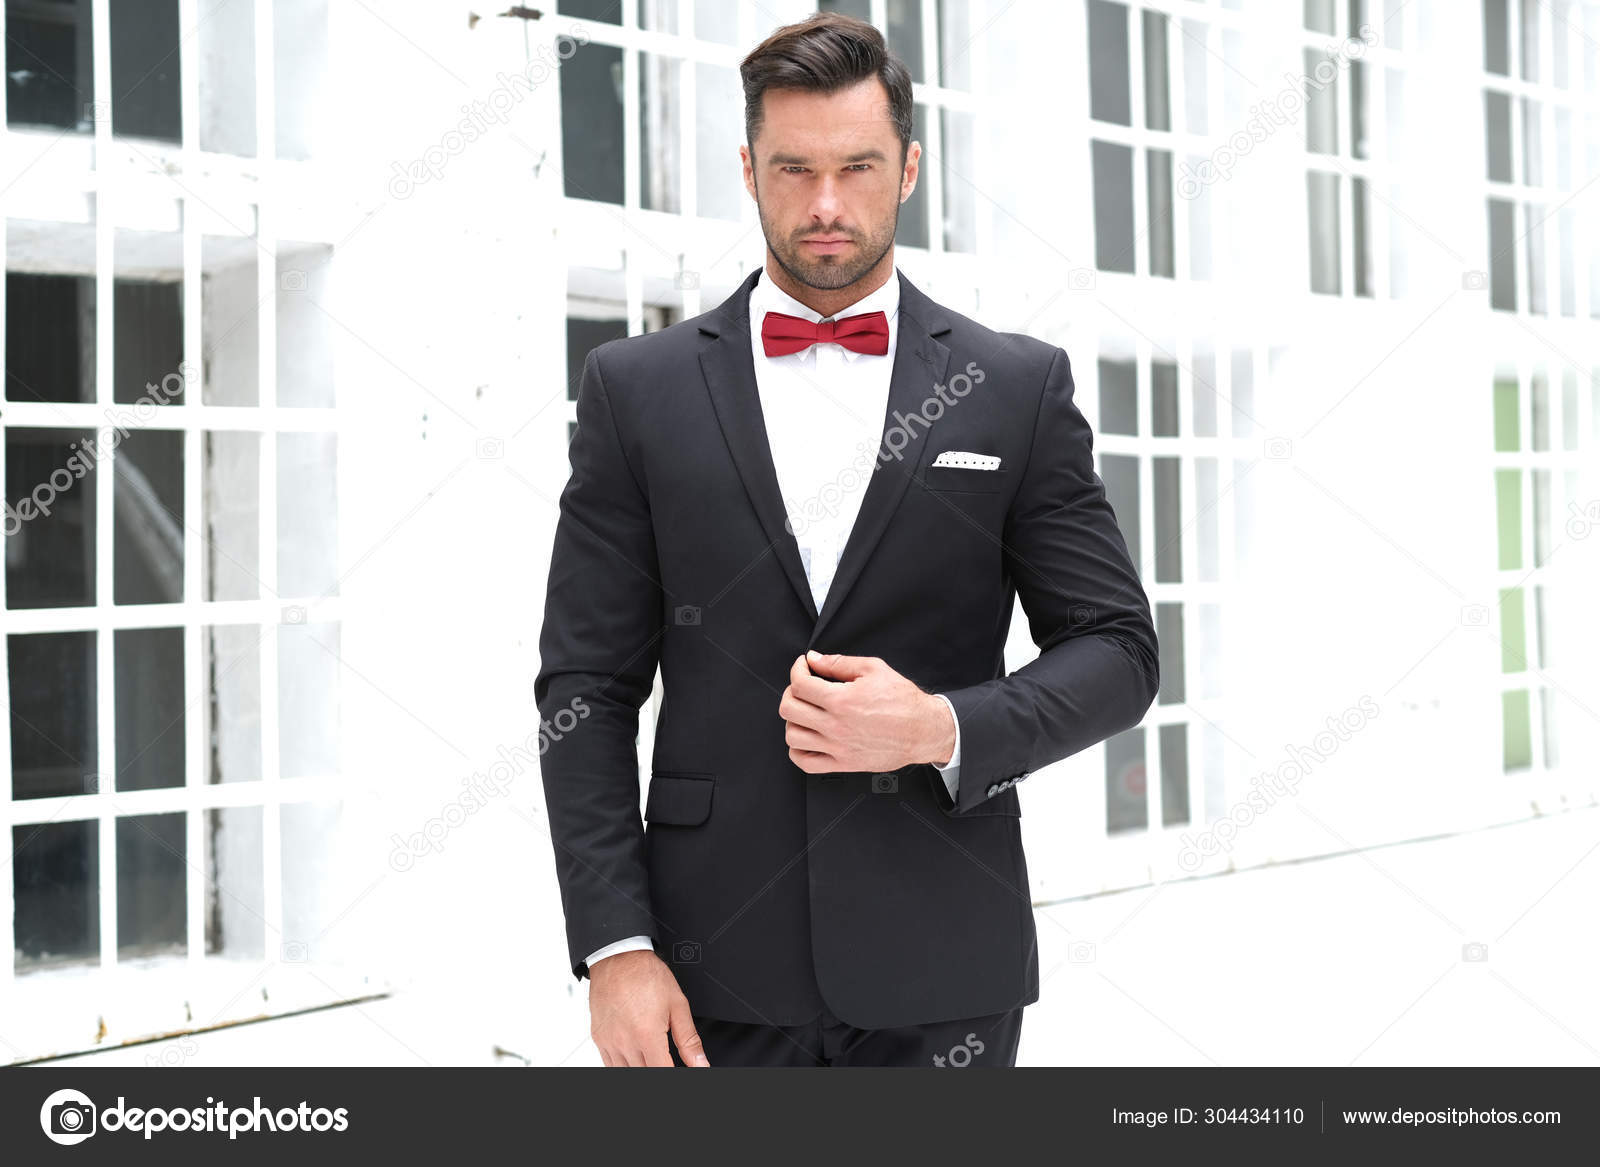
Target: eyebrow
[{"x": 873, "y": 155}]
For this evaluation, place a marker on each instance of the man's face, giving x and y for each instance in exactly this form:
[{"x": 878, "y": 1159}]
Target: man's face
[{"x": 826, "y": 176}]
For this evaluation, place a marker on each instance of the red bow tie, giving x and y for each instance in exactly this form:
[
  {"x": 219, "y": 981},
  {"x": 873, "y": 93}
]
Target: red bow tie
[{"x": 782, "y": 334}]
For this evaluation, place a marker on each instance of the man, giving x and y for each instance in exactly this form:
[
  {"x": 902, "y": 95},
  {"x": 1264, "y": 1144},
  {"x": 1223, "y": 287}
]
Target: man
[{"x": 813, "y": 507}]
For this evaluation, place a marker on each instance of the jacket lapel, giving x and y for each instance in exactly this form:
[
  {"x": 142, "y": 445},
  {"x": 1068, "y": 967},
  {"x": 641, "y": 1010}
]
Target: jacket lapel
[
  {"x": 920, "y": 362},
  {"x": 730, "y": 376}
]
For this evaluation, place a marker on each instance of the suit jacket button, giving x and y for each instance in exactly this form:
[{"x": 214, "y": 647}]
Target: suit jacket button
[{"x": 994, "y": 789}]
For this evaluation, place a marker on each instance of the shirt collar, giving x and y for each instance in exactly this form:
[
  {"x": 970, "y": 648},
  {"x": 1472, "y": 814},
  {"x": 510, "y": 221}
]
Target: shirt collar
[{"x": 766, "y": 297}]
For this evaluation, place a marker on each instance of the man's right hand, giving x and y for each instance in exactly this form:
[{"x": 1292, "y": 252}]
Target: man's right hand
[{"x": 634, "y": 1001}]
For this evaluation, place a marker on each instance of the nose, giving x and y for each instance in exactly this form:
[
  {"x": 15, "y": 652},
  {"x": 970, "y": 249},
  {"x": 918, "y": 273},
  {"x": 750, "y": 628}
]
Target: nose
[{"x": 825, "y": 204}]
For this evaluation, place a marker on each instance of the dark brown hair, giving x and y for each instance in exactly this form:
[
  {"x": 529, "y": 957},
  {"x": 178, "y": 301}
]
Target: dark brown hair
[{"x": 823, "y": 54}]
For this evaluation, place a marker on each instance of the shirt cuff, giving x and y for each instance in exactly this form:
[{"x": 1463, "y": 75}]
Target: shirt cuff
[
  {"x": 951, "y": 770},
  {"x": 630, "y": 944}
]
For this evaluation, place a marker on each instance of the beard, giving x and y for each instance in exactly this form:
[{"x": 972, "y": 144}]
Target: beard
[{"x": 828, "y": 273}]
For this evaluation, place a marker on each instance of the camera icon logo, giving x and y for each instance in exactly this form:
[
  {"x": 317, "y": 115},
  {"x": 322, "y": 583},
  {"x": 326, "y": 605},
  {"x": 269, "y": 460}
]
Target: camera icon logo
[
  {"x": 885, "y": 783},
  {"x": 293, "y": 280},
  {"x": 686, "y": 615},
  {"x": 1475, "y": 952},
  {"x": 686, "y": 952},
  {"x": 67, "y": 1117}
]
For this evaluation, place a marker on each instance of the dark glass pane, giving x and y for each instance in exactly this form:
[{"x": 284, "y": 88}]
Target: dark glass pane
[
  {"x": 49, "y": 65},
  {"x": 149, "y": 342},
  {"x": 1169, "y": 631},
  {"x": 1169, "y": 528},
  {"x": 905, "y": 35},
  {"x": 591, "y": 123},
  {"x": 1360, "y": 237},
  {"x": 1119, "y": 397},
  {"x": 1358, "y": 110},
  {"x": 1113, "y": 206},
  {"x": 1109, "y": 99},
  {"x": 1497, "y": 129},
  {"x": 56, "y": 880},
  {"x": 860, "y": 9},
  {"x": 1159, "y": 181},
  {"x": 148, "y": 500},
  {"x": 1322, "y": 108},
  {"x": 1157, "y": 99},
  {"x": 49, "y": 337},
  {"x": 144, "y": 70},
  {"x": 49, "y": 518},
  {"x": 1502, "y": 255},
  {"x": 1120, "y": 473},
  {"x": 150, "y": 708},
  {"x": 152, "y": 907},
  {"x": 1164, "y": 399},
  {"x": 1125, "y": 782},
  {"x": 1517, "y": 729},
  {"x": 583, "y": 335},
  {"x": 53, "y": 713},
  {"x": 1322, "y": 197},
  {"x": 1174, "y": 774},
  {"x": 1496, "y": 45},
  {"x": 912, "y": 230},
  {"x": 605, "y": 11}
]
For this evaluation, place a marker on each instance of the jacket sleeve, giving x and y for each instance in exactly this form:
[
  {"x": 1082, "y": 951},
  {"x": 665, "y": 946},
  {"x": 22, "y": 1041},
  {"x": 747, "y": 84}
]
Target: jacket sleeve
[
  {"x": 1098, "y": 670},
  {"x": 598, "y": 650}
]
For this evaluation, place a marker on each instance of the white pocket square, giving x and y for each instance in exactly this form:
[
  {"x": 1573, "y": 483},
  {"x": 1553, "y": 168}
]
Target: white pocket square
[{"x": 968, "y": 461}]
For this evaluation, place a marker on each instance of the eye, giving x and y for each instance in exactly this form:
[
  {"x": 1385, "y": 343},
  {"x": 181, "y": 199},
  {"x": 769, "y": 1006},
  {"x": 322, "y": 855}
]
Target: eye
[
  {"x": 794, "y": 169},
  {"x": 860, "y": 166}
]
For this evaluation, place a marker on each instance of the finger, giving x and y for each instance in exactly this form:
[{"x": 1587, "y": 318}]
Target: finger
[
  {"x": 798, "y": 670},
  {"x": 794, "y": 709},
  {"x": 798, "y": 737},
  {"x": 658, "y": 1054},
  {"x": 813, "y": 763},
  {"x": 817, "y": 691},
  {"x": 690, "y": 1049},
  {"x": 839, "y": 666},
  {"x": 605, "y": 1057}
]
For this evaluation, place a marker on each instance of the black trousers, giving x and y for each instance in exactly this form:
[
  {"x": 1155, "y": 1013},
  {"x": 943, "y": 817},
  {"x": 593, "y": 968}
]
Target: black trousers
[{"x": 827, "y": 1041}]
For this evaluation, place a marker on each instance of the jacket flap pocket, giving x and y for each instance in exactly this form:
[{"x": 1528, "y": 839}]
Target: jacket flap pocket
[{"x": 680, "y": 799}]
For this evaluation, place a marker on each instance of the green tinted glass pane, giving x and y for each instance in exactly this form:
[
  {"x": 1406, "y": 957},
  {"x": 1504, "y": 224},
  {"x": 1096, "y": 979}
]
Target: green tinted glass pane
[
  {"x": 1508, "y": 496},
  {"x": 1518, "y": 734},
  {"x": 1507, "y": 438},
  {"x": 1513, "y": 631}
]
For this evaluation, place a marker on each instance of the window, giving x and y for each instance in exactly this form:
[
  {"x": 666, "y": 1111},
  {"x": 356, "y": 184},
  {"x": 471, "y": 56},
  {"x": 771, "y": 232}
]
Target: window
[
  {"x": 1163, "y": 435},
  {"x": 1536, "y": 123},
  {"x": 169, "y": 605},
  {"x": 1545, "y": 431}
]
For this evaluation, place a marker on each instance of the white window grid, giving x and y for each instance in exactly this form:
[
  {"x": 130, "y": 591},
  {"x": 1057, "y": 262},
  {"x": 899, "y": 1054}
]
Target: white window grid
[
  {"x": 1555, "y": 509},
  {"x": 1541, "y": 204},
  {"x": 211, "y": 181}
]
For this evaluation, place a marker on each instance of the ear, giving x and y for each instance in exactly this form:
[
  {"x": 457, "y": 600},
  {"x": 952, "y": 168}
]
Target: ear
[
  {"x": 908, "y": 178},
  {"x": 749, "y": 162}
]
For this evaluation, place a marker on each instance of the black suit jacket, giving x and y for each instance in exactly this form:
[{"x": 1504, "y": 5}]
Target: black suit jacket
[{"x": 772, "y": 892}]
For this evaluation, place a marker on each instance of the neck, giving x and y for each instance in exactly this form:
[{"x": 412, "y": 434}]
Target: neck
[{"x": 827, "y": 301}]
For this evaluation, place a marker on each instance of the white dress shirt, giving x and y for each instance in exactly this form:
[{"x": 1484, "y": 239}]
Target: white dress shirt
[{"x": 825, "y": 408}]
